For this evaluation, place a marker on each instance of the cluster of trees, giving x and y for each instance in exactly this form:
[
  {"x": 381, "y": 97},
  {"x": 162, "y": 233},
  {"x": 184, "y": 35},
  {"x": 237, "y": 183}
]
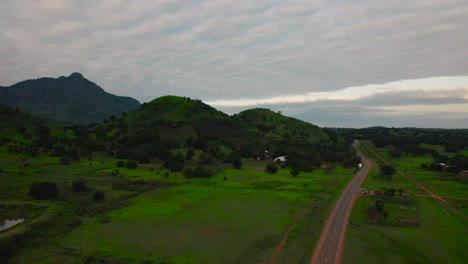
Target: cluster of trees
[{"x": 48, "y": 190}]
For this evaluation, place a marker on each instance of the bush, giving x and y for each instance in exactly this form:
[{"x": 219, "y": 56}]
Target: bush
[
  {"x": 120, "y": 164},
  {"x": 131, "y": 164},
  {"x": 79, "y": 186},
  {"x": 199, "y": 172},
  {"x": 8, "y": 247},
  {"x": 295, "y": 172},
  {"x": 43, "y": 190},
  {"x": 65, "y": 160},
  {"x": 98, "y": 196},
  {"x": 173, "y": 165},
  {"x": 271, "y": 167},
  {"x": 237, "y": 163}
]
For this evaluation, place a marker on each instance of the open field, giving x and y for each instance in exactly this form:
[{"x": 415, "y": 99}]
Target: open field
[
  {"x": 439, "y": 234},
  {"x": 236, "y": 216},
  {"x": 438, "y": 239},
  {"x": 440, "y": 183}
]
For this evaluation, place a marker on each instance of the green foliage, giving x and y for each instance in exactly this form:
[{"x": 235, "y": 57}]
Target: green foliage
[
  {"x": 387, "y": 171},
  {"x": 79, "y": 185},
  {"x": 131, "y": 164},
  {"x": 271, "y": 168},
  {"x": 120, "y": 164},
  {"x": 295, "y": 172},
  {"x": 43, "y": 190},
  {"x": 173, "y": 164},
  {"x": 199, "y": 172},
  {"x": 379, "y": 205},
  {"x": 98, "y": 195},
  {"x": 189, "y": 154},
  {"x": 65, "y": 160},
  {"x": 66, "y": 100}
]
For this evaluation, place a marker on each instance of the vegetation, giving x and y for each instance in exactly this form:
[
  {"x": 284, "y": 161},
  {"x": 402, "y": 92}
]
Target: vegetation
[
  {"x": 401, "y": 216},
  {"x": 43, "y": 190},
  {"x": 178, "y": 169},
  {"x": 271, "y": 168},
  {"x": 66, "y": 100}
]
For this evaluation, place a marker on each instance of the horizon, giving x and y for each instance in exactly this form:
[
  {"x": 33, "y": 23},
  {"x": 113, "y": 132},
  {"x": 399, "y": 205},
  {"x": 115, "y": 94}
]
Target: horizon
[{"x": 349, "y": 64}]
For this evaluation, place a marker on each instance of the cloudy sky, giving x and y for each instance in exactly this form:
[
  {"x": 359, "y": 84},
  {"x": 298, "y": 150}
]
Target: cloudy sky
[{"x": 338, "y": 63}]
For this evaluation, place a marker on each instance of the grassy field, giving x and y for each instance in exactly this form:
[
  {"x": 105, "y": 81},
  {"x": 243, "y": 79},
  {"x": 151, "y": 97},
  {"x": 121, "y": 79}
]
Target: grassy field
[
  {"x": 237, "y": 216},
  {"x": 436, "y": 239},
  {"x": 440, "y": 183}
]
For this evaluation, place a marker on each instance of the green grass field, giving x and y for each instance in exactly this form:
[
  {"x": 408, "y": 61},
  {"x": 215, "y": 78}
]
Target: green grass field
[
  {"x": 237, "y": 216},
  {"x": 437, "y": 239}
]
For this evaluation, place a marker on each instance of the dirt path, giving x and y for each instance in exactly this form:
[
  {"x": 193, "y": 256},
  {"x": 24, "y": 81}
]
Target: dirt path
[
  {"x": 412, "y": 180},
  {"x": 286, "y": 235},
  {"x": 446, "y": 197}
]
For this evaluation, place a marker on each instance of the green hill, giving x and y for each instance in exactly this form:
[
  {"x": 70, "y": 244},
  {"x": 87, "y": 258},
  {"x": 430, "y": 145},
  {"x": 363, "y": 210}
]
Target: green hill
[
  {"x": 66, "y": 100},
  {"x": 178, "y": 122},
  {"x": 277, "y": 127}
]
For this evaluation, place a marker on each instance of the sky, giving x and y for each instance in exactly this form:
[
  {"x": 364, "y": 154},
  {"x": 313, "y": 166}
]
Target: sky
[{"x": 336, "y": 63}]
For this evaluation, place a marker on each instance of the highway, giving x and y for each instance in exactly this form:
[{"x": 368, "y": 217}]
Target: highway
[{"x": 331, "y": 241}]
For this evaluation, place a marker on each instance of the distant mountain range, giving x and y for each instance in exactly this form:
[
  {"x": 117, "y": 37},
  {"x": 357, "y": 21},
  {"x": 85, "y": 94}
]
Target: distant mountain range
[{"x": 66, "y": 100}]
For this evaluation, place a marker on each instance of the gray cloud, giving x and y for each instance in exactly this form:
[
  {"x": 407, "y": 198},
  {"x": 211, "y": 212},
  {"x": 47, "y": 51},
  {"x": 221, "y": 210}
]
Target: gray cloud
[{"x": 231, "y": 49}]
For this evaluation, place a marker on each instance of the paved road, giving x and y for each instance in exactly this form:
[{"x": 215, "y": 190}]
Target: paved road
[{"x": 331, "y": 241}]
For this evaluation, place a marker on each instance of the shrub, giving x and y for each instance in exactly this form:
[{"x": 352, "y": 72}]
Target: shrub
[
  {"x": 120, "y": 164},
  {"x": 173, "y": 165},
  {"x": 131, "y": 164},
  {"x": 79, "y": 186},
  {"x": 43, "y": 190},
  {"x": 295, "y": 172},
  {"x": 199, "y": 172},
  {"x": 65, "y": 160},
  {"x": 98, "y": 196},
  {"x": 237, "y": 163},
  {"x": 271, "y": 167}
]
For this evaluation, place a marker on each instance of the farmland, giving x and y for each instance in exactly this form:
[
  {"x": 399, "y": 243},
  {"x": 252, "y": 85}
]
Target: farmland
[
  {"x": 152, "y": 214},
  {"x": 435, "y": 232}
]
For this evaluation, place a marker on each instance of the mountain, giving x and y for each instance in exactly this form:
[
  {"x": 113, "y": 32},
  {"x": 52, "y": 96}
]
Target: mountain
[{"x": 66, "y": 100}]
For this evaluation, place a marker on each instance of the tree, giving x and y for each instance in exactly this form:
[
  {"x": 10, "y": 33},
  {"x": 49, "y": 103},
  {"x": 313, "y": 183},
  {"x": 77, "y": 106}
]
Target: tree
[
  {"x": 237, "y": 162},
  {"x": 271, "y": 168},
  {"x": 120, "y": 164},
  {"x": 400, "y": 191},
  {"x": 387, "y": 170},
  {"x": 173, "y": 165},
  {"x": 65, "y": 160},
  {"x": 98, "y": 195},
  {"x": 189, "y": 154},
  {"x": 392, "y": 191},
  {"x": 131, "y": 164},
  {"x": 295, "y": 172},
  {"x": 43, "y": 190},
  {"x": 394, "y": 151},
  {"x": 379, "y": 205},
  {"x": 199, "y": 172},
  {"x": 79, "y": 186}
]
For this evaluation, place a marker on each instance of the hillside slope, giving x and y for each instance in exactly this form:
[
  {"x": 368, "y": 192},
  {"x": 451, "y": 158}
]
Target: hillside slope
[
  {"x": 66, "y": 100},
  {"x": 276, "y": 126}
]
